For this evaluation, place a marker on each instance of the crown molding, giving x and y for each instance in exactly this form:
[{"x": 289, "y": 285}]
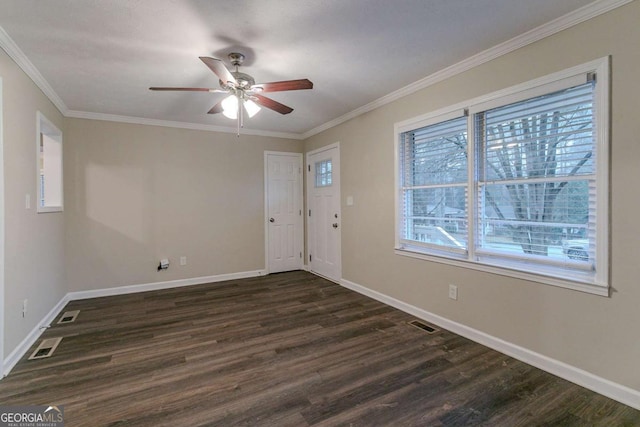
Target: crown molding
[
  {"x": 14, "y": 52},
  {"x": 180, "y": 125},
  {"x": 578, "y": 16},
  {"x": 571, "y": 19}
]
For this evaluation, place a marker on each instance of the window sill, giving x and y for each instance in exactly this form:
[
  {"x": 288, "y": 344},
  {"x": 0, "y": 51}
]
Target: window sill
[
  {"x": 502, "y": 271},
  {"x": 49, "y": 209}
]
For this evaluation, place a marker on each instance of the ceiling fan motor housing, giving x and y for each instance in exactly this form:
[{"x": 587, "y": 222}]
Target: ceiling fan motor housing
[{"x": 243, "y": 80}]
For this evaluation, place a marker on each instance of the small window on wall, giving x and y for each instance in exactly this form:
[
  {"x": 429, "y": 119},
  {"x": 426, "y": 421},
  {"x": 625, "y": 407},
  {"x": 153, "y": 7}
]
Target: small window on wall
[{"x": 49, "y": 165}]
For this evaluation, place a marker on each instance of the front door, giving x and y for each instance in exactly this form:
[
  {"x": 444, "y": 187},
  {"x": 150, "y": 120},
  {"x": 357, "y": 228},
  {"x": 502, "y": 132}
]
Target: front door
[
  {"x": 283, "y": 203},
  {"x": 324, "y": 217}
]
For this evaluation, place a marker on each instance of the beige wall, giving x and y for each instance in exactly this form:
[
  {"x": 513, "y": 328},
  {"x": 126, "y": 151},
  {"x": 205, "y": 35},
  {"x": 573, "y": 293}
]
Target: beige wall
[
  {"x": 34, "y": 243},
  {"x": 590, "y": 332},
  {"x": 136, "y": 194}
]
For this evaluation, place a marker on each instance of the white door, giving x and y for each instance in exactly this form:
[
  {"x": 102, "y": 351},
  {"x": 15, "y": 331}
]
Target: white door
[
  {"x": 283, "y": 205},
  {"x": 323, "y": 216}
]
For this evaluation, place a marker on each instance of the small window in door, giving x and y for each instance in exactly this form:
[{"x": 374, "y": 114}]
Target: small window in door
[{"x": 323, "y": 173}]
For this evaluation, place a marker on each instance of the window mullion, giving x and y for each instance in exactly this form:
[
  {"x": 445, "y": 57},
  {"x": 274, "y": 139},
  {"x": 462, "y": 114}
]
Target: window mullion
[
  {"x": 411, "y": 142},
  {"x": 472, "y": 188}
]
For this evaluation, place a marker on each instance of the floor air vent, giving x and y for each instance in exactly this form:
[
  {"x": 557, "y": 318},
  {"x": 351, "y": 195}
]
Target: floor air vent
[
  {"x": 425, "y": 327},
  {"x": 45, "y": 349},
  {"x": 68, "y": 316}
]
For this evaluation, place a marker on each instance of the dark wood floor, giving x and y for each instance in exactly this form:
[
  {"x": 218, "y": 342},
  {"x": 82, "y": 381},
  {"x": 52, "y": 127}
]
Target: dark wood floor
[{"x": 289, "y": 349}]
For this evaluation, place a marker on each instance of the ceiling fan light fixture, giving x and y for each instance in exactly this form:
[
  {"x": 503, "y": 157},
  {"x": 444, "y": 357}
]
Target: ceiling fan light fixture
[
  {"x": 251, "y": 107},
  {"x": 230, "y": 107}
]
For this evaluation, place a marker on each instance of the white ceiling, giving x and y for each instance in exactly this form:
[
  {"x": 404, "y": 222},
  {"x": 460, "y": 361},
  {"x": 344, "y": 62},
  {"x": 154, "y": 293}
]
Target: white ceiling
[{"x": 100, "y": 57}]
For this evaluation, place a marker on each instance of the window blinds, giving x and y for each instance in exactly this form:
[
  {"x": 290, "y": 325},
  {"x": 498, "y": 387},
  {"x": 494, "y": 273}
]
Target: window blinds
[
  {"x": 434, "y": 185},
  {"x": 536, "y": 195}
]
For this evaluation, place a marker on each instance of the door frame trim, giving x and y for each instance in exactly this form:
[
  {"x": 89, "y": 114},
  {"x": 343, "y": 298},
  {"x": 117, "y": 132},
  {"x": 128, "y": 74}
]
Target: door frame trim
[
  {"x": 301, "y": 242},
  {"x": 2, "y": 237},
  {"x": 307, "y": 155}
]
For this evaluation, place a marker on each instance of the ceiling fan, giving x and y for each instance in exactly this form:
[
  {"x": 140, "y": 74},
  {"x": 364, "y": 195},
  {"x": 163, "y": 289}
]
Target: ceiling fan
[{"x": 242, "y": 89}]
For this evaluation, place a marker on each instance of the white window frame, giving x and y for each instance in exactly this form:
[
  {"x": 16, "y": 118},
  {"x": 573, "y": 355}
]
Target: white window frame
[
  {"x": 44, "y": 127},
  {"x": 591, "y": 282}
]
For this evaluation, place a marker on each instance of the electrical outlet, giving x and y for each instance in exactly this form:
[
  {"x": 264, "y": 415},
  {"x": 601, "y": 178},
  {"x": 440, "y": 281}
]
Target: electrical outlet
[
  {"x": 24, "y": 308},
  {"x": 453, "y": 292},
  {"x": 183, "y": 260}
]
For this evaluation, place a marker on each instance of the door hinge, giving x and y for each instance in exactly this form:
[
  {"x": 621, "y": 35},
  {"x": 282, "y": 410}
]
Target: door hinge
[
  {"x": 300, "y": 212},
  {"x": 300, "y": 255},
  {"x": 309, "y": 166},
  {"x": 309, "y": 212},
  {"x": 309, "y": 257}
]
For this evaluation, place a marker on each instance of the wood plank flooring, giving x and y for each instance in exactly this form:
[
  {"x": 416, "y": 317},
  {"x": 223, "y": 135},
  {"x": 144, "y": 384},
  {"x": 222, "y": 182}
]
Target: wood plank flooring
[{"x": 289, "y": 349}]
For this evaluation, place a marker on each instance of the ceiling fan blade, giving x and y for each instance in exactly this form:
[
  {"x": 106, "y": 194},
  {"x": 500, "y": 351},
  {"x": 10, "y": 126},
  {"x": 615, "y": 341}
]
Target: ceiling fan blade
[
  {"x": 216, "y": 108},
  {"x": 218, "y": 67},
  {"x": 189, "y": 89},
  {"x": 284, "y": 85},
  {"x": 271, "y": 104}
]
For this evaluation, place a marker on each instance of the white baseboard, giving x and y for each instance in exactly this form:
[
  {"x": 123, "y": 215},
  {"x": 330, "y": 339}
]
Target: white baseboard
[
  {"x": 131, "y": 289},
  {"x": 600, "y": 385},
  {"x": 17, "y": 353}
]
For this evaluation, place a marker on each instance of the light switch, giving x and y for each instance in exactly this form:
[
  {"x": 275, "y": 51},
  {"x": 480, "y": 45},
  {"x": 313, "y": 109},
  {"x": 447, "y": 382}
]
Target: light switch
[
  {"x": 349, "y": 200},
  {"x": 27, "y": 201}
]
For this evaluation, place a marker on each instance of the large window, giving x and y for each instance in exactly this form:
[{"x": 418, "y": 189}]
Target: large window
[{"x": 515, "y": 182}]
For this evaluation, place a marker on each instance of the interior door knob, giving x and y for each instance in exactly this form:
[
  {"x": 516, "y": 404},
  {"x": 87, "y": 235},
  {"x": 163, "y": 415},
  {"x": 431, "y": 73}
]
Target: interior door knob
[{"x": 272, "y": 220}]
